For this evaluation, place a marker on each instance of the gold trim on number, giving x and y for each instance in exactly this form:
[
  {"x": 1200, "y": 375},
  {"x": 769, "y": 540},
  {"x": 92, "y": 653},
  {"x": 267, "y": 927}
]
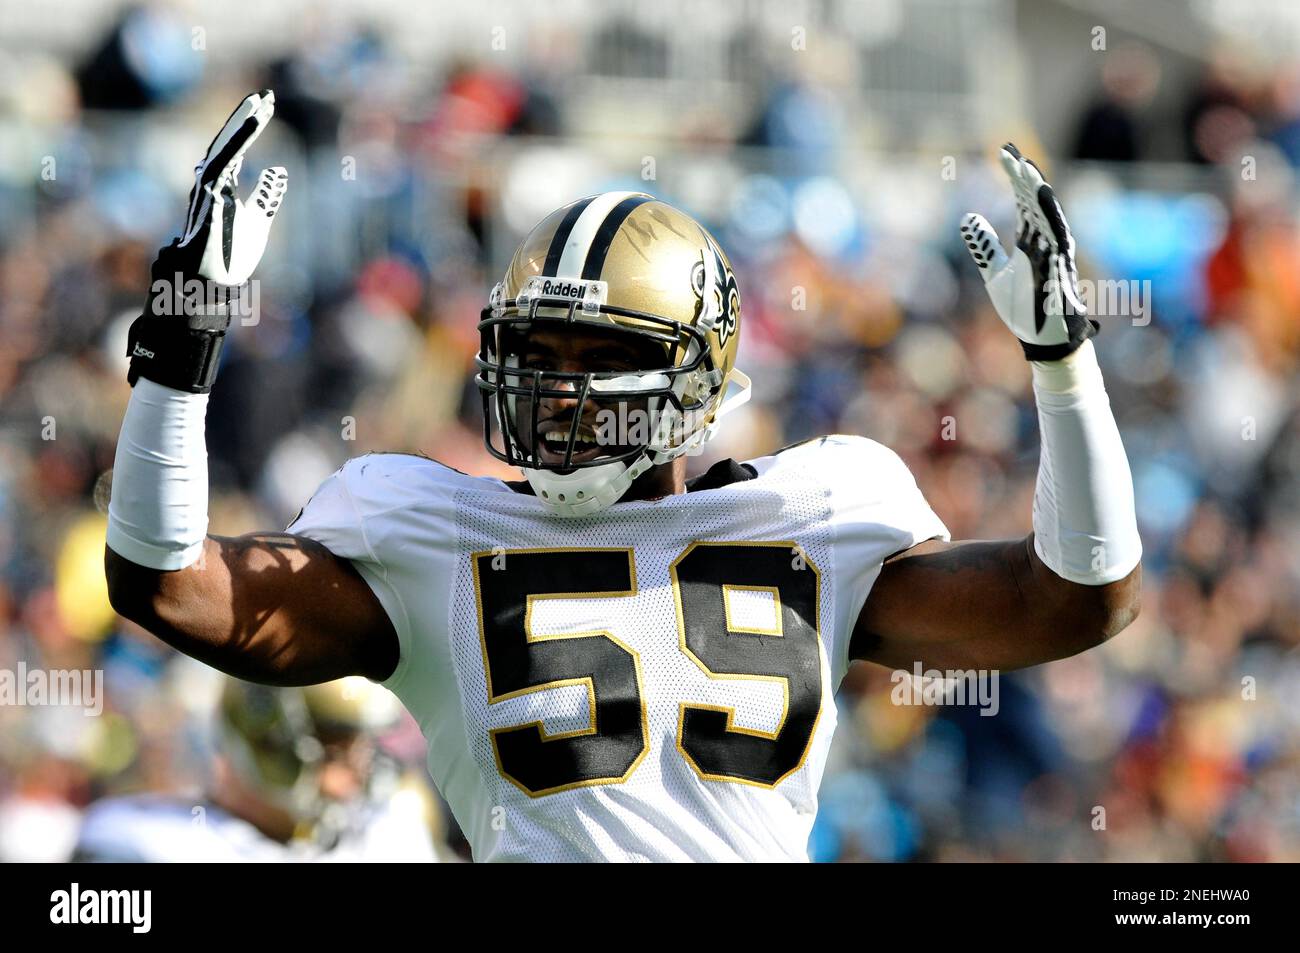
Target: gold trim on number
[
  {"x": 728, "y": 589},
  {"x": 563, "y": 682},
  {"x": 730, "y": 712}
]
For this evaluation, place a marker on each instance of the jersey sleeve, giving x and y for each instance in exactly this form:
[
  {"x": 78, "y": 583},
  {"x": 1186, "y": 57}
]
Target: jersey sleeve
[
  {"x": 332, "y": 518},
  {"x": 877, "y": 511},
  {"x": 338, "y": 517}
]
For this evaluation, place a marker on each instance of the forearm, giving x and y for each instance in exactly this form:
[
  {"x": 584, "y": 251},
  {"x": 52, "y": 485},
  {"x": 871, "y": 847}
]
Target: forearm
[
  {"x": 1085, "y": 527},
  {"x": 1085, "y": 530},
  {"x": 158, "y": 510}
]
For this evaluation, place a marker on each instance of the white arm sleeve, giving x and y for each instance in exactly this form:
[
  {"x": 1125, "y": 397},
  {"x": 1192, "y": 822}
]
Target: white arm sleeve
[
  {"x": 158, "y": 511},
  {"x": 1085, "y": 526}
]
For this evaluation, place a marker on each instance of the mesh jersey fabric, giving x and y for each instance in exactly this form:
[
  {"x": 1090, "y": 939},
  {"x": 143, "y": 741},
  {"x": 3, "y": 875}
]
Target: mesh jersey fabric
[{"x": 622, "y": 722}]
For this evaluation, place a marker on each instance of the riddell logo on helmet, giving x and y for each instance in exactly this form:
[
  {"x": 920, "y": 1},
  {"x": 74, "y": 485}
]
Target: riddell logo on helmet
[{"x": 564, "y": 289}]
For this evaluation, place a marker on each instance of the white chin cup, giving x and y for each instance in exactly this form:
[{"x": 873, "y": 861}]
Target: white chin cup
[{"x": 586, "y": 490}]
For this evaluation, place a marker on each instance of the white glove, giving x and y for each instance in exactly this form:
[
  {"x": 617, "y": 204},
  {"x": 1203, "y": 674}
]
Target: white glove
[
  {"x": 1035, "y": 291},
  {"x": 177, "y": 340},
  {"x": 224, "y": 238}
]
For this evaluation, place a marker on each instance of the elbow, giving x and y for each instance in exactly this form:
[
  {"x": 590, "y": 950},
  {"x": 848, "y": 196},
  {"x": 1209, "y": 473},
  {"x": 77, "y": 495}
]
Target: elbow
[
  {"x": 1123, "y": 604},
  {"x": 132, "y": 589},
  {"x": 1112, "y": 608},
  {"x": 119, "y": 593},
  {"x": 1117, "y": 620}
]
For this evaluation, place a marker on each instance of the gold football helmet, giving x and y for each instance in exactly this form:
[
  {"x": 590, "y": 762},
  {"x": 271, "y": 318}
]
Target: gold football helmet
[
  {"x": 630, "y": 266},
  {"x": 276, "y": 738}
]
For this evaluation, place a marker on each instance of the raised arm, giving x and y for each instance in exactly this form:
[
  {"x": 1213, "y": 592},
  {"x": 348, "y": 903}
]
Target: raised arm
[
  {"x": 1076, "y": 580},
  {"x": 272, "y": 608}
]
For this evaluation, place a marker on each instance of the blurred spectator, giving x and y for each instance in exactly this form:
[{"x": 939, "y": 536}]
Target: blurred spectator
[
  {"x": 146, "y": 60},
  {"x": 1110, "y": 128}
]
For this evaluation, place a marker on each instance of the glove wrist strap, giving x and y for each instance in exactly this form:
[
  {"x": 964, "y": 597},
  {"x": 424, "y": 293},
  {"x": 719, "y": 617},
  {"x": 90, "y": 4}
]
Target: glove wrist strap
[
  {"x": 1055, "y": 352},
  {"x": 176, "y": 352},
  {"x": 177, "y": 341}
]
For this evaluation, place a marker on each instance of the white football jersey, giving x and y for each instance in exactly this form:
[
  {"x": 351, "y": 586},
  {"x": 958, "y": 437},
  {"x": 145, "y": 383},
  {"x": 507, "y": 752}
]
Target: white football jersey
[{"x": 653, "y": 682}]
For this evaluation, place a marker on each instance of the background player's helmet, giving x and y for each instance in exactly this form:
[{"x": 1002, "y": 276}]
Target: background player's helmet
[
  {"x": 276, "y": 739},
  {"x": 628, "y": 262}
]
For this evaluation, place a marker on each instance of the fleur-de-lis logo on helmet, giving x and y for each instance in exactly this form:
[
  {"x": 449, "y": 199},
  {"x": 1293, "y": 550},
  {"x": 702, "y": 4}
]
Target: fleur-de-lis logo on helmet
[{"x": 724, "y": 297}]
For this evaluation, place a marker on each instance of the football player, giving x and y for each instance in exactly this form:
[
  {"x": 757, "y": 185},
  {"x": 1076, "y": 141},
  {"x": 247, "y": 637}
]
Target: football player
[
  {"x": 297, "y": 776},
  {"x": 608, "y": 661}
]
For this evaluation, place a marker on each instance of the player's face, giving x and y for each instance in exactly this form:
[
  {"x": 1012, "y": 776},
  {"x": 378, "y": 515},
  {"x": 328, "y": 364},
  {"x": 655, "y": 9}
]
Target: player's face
[{"x": 572, "y": 350}]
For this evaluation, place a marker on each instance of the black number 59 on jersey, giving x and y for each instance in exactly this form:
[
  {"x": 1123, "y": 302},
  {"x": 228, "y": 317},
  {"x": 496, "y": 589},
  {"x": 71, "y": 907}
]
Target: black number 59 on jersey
[{"x": 517, "y": 661}]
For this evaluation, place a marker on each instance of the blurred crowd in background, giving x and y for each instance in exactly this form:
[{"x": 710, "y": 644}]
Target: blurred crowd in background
[{"x": 837, "y": 199}]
